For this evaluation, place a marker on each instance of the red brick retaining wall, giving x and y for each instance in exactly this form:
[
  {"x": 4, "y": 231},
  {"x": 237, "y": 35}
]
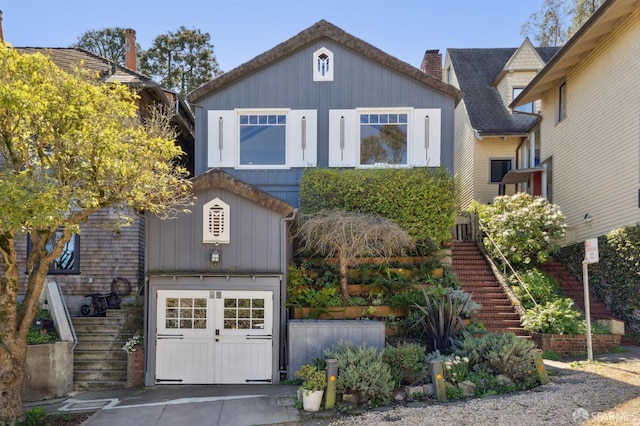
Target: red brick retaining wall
[{"x": 567, "y": 345}]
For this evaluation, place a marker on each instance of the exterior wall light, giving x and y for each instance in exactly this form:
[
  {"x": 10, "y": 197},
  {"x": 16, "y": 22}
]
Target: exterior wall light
[{"x": 215, "y": 257}]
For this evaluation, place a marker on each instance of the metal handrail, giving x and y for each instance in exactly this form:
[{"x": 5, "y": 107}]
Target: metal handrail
[{"x": 506, "y": 262}]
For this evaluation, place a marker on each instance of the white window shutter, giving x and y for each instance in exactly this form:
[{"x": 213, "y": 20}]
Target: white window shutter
[
  {"x": 426, "y": 137},
  {"x": 221, "y": 140},
  {"x": 215, "y": 222},
  {"x": 343, "y": 144},
  {"x": 302, "y": 138}
]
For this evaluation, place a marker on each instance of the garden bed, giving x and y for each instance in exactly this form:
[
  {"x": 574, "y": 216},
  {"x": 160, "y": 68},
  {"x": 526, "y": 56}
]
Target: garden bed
[{"x": 347, "y": 312}]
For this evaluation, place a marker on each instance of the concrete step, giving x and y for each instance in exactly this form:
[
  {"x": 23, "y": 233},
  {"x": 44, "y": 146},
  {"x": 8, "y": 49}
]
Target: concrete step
[
  {"x": 103, "y": 375},
  {"x": 99, "y": 346},
  {"x": 84, "y": 355},
  {"x": 103, "y": 336},
  {"x": 116, "y": 321},
  {"x": 100, "y": 365},
  {"x": 96, "y": 328},
  {"x": 91, "y": 385}
]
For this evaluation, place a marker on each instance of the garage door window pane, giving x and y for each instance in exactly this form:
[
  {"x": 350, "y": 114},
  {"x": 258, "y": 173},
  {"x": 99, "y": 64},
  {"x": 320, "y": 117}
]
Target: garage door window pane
[
  {"x": 243, "y": 313},
  {"x": 186, "y": 313}
]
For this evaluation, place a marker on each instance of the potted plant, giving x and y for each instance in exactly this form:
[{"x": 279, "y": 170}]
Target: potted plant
[{"x": 313, "y": 385}]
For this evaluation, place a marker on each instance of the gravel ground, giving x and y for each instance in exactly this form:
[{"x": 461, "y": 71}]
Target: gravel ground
[{"x": 602, "y": 393}]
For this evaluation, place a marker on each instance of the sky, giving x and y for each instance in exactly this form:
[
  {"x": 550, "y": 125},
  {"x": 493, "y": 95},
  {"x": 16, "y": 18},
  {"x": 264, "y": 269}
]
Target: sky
[{"x": 243, "y": 29}]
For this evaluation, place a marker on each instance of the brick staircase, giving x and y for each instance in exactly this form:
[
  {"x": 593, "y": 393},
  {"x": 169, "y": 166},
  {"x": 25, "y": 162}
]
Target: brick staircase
[
  {"x": 573, "y": 288},
  {"x": 475, "y": 276},
  {"x": 99, "y": 361}
]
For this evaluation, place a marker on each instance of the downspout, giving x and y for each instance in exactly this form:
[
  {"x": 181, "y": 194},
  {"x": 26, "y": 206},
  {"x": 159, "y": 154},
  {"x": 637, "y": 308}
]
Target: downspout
[
  {"x": 477, "y": 134},
  {"x": 283, "y": 288}
]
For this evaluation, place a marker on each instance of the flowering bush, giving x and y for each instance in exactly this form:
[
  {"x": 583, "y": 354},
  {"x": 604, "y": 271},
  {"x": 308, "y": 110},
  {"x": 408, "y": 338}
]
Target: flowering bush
[
  {"x": 456, "y": 369},
  {"x": 132, "y": 343},
  {"x": 525, "y": 228}
]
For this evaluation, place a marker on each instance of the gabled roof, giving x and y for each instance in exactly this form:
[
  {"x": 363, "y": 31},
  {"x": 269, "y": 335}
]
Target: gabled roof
[
  {"x": 216, "y": 178},
  {"x": 476, "y": 71},
  {"x": 601, "y": 23},
  {"x": 323, "y": 30}
]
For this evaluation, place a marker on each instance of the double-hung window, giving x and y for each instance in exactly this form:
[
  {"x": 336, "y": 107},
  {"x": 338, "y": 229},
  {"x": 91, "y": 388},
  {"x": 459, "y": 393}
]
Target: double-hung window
[
  {"x": 384, "y": 137},
  {"x": 262, "y": 138}
]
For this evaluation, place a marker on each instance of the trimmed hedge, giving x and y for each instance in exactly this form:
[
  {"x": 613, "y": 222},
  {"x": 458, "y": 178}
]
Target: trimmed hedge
[
  {"x": 616, "y": 278},
  {"x": 422, "y": 201}
]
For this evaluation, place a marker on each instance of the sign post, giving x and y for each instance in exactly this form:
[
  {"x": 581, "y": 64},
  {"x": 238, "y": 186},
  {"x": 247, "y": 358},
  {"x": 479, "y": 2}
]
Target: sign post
[{"x": 590, "y": 256}]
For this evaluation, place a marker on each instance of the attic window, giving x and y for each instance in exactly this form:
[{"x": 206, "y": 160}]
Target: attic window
[
  {"x": 323, "y": 65},
  {"x": 215, "y": 218}
]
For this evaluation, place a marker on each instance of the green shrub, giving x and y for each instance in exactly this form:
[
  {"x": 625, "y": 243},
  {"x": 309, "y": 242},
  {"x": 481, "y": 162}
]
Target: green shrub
[
  {"x": 297, "y": 282},
  {"x": 361, "y": 371},
  {"x": 615, "y": 278},
  {"x": 326, "y": 297},
  {"x": 525, "y": 228},
  {"x": 407, "y": 363},
  {"x": 34, "y": 417},
  {"x": 542, "y": 287},
  {"x": 501, "y": 353},
  {"x": 422, "y": 201},
  {"x": 558, "y": 317}
]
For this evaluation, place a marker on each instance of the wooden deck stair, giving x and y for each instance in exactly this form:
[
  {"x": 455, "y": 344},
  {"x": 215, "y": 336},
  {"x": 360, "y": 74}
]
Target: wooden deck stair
[
  {"x": 573, "y": 288},
  {"x": 475, "y": 276}
]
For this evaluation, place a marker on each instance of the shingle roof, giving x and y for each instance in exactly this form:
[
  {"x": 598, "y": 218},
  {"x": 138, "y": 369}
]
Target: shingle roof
[
  {"x": 216, "y": 178},
  {"x": 323, "y": 29},
  {"x": 476, "y": 69},
  {"x": 69, "y": 57}
]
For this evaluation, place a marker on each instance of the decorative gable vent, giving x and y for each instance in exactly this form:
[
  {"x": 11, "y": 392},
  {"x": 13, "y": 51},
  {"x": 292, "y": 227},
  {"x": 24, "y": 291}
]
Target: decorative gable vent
[
  {"x": 215, "y": 221},
  {"x": 323, "y": 65}
]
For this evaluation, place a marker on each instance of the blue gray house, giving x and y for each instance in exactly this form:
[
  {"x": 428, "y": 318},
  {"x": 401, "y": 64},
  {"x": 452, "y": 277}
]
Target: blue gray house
[
  {"x": 216, "y": 278},
  {"x": 321, "y": 99}
]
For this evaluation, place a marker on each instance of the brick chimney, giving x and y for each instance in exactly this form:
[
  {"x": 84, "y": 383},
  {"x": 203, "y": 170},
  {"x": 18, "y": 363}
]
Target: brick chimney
[
  {"x": 432, "y": 63},
  {"x": 130, "y": 53},
  {"x": 1, "y": 33}
]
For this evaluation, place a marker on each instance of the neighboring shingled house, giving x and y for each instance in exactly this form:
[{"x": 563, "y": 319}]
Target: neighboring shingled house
[
  {"x": 487, "y": 132},
  {"x": 99, "y": 254},
  {"x": 590, "y": 133}
]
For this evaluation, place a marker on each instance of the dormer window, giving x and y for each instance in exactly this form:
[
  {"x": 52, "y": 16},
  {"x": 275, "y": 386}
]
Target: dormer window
[
  {"x": 522, "y": 108},
  {"x": 323, "y": 65},
  {"x": 215, "y": 221}
]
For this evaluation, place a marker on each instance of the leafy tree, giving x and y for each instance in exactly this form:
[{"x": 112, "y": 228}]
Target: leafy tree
[
  {"x": 583, "y": 9},
  {"x": 69, "y": 146},
  {"x": 181, "y": 60},
  {"x": 548, "y": 25},
  {"x": 107, "y": 42}
]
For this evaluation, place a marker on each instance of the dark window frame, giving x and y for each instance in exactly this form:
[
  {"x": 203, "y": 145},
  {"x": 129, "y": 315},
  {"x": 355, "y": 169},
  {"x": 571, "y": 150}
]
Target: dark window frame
[
  {"x": 75, "y": 270},
  {"x": 491, "y": 170}
]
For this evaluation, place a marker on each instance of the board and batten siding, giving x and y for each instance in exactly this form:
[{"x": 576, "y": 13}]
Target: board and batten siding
[
  {"x": 175, "y": 245},
  {"x": 288, "y": 83},
  {"x": 596, "y": 148}
]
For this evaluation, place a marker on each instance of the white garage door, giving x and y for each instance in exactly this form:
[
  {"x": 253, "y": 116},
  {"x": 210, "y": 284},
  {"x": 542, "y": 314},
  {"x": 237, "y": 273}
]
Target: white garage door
[{"x": 214, "y": 336}]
